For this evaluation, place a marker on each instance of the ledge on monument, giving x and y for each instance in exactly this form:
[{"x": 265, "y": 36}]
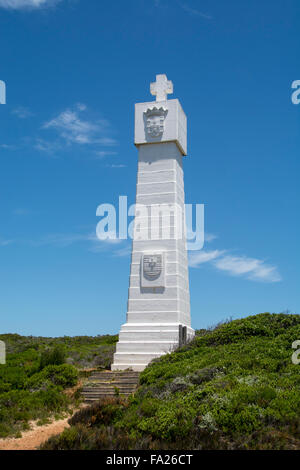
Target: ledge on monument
[{"x": 153, "y": 347}]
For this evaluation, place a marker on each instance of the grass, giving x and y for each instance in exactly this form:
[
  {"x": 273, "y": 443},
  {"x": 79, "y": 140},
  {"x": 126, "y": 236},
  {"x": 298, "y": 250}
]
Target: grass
[
  {"x": 232, "y": 387},
  {"x": 40, "y": 371}
]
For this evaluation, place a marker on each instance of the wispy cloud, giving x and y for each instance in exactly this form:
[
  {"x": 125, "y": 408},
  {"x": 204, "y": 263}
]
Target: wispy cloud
[
  {"x": 72, "y": 128},
  {"x": 210, "y": 237},
  {"x": 47, "y": 146},
  {"x": 7, "y": 147},
  {"x": 250, "y": 268},
  {"x": 194, "y": 12},
  {"x": 123, "y": 252},
  {"x": 63, "y": 240},
  {"x": 105, "y": 153},
  {"x": 116, "y": 166},
  {"x": 4, "y": 242},
  {"x": 196, "y": 259},
  {"x": 60, "y": 239},
  {"x": 22, "y": 113},
  {"x": 21, "y": 211},
  {"x": 27, "y": 4},
  {"x": 110, "y": 239}
]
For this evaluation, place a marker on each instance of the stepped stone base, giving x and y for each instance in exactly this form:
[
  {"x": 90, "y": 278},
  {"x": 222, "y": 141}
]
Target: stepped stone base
[
  {"x": 110, "y": 384},
  {"x": 140, "y": 343}
]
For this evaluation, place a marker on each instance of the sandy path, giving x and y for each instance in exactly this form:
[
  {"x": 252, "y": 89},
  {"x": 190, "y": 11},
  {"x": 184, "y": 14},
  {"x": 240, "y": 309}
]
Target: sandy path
[{"x": 33, "y": 438}]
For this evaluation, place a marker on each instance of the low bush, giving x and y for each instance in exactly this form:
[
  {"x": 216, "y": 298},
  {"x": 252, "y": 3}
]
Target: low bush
[
  {"x": 33, "y": 381},
  {"x": 55, "y": 357},
  {"x": 232, "y": 387}
]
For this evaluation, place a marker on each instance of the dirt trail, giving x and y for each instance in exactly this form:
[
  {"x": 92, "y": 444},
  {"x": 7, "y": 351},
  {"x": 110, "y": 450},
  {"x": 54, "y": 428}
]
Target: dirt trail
[{"x": 33, "y": 438}]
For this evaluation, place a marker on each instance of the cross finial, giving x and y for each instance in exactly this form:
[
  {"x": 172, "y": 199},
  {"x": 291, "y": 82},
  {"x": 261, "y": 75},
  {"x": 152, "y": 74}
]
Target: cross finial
[{"x": 161, "y": 88}]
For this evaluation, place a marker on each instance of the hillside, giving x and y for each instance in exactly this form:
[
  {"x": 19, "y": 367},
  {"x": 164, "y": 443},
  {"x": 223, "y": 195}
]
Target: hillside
[
  {"x": 35, "y": 382},
  {"x": 233, "y": 387}
]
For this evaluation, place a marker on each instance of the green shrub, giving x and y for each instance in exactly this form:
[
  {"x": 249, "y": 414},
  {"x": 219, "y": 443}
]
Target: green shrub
[
  {"x": 63, "y": 375},
  {"x": 55, "y": 357},
  {"x": 233, "y": 387},
  {"x": 35, "y": 375},
  {"x": 105, "y": 411}
]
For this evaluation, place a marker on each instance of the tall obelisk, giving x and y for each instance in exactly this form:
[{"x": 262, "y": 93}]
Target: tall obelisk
[{"x": 158, "y": 310}]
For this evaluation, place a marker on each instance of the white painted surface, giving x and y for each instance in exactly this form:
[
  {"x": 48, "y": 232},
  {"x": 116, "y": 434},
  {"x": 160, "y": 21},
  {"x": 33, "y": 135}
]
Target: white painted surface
[
  {"x": 154, "y": 314},
  {"x": 175, "y": 125}
]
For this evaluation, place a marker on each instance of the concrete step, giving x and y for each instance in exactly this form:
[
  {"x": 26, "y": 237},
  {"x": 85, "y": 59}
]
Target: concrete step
[
  {"x": 136, "y": 347},
  {"x": 95, "y": 399},
  {"x": 110, "y": 384},
  {"x": 95, "y": 389},
  {"x": 105, "y": 394},
  {"x": 133, "y": 380},
  {"x": 91, "y": 401},
  {"x": 115, "y": 377},
  {"x": 129, "y": 336},
  {"x": 122, "y": 365},
  {"x": 109, "y": 378},
  {"x": 135, "y": 358},
  {"x": 108, "y": 389}
]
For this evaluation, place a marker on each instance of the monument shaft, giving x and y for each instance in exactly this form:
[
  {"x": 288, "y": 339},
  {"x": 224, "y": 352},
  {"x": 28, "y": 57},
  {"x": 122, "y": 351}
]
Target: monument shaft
[{"x": 158, "y": 311}]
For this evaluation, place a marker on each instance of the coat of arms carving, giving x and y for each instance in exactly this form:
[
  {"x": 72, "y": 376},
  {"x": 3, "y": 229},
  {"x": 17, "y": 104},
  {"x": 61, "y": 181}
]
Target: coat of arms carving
[
  {"x": 155, "y": 121},
  {"x": 152, "y": 270},
  {"x": 152, "y": 266}
]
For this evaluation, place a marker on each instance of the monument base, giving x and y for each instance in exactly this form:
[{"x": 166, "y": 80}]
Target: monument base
[{"x": 140, "y": 343}]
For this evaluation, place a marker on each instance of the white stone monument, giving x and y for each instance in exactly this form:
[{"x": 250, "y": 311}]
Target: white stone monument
[{"x": 158, "y": 311}]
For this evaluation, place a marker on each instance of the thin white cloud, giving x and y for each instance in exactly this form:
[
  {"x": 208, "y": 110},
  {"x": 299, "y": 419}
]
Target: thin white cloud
[
  {"x": 60, "y": 239},
  {"x": 81, "y": 106},
  {"x": 251, "y": 268},
  {"x": 74, "y": 129},
  {"x": 123, "y": 252},
  {"x": 194, "y": 12},
  {"x": 21, "y": 211},
  {"x": 66, "y": 239},
  {"x": 47, "y": 146},
  {"x": 110, "y": 238},
  {"x": 116, "y": 166},
  {"x": 196, "y": 259},
  {"x": 100, "y": 246},
  {"x": 4, "y": 242},
  {"x": 105, "y": 153},
  {"x": 210, "y": 237},
  {"x": 7, "y": 147},
  {"x": 27, "y": 4},
  {"x": 21, "y": 112}
]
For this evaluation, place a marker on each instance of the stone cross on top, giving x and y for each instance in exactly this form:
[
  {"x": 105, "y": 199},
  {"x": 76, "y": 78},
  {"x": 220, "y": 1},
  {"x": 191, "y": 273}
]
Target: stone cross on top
[{"x": 161, "y": 88}]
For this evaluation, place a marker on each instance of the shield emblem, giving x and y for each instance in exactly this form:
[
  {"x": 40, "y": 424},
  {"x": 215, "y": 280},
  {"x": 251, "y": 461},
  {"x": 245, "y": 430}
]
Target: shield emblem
[
  {"x": 155, "y": 125},
  {"x": 152, "y": 266},
  {"x": 154, "y": 119}
]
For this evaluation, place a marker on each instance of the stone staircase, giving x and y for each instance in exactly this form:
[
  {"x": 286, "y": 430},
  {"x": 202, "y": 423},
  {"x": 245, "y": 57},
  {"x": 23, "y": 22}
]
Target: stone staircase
[{"x": 110, "y": 384}]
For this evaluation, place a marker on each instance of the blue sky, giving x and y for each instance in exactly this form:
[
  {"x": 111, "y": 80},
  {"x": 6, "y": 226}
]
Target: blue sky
[{"x": 73, "y": 71}]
